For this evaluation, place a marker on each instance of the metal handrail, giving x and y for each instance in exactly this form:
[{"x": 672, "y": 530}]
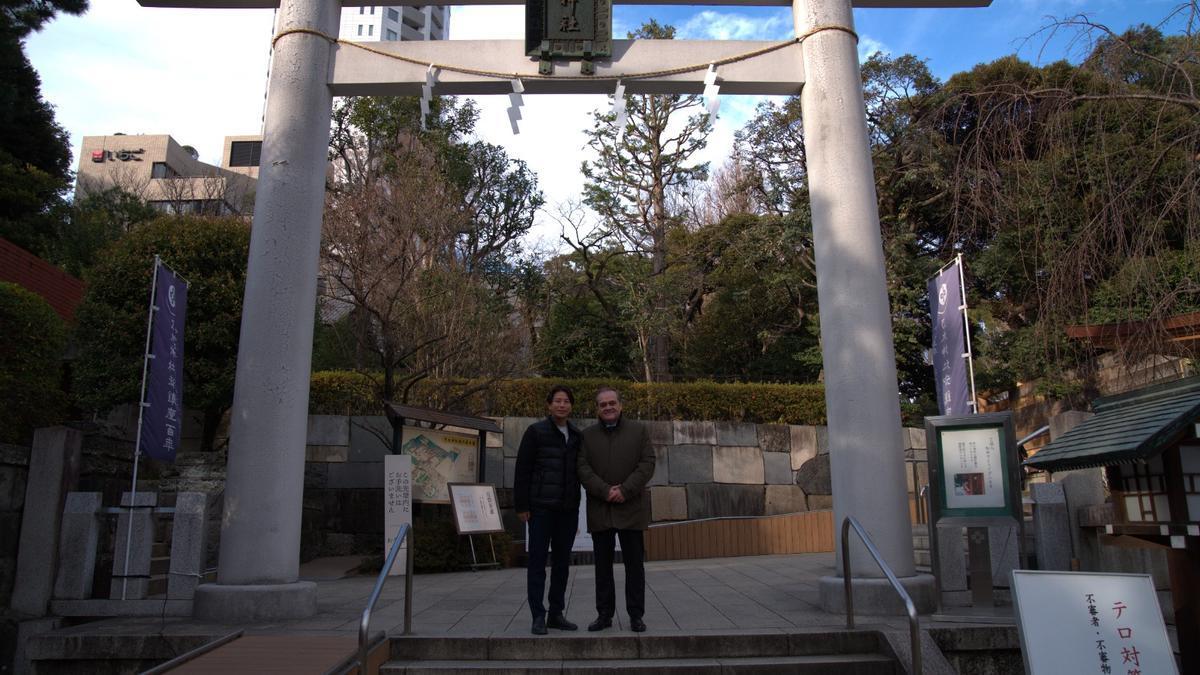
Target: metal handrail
[
  {"x": 183, "y": 658},
  {"x": 365, "y": 625},
  {"x": 914, "y": 622}
]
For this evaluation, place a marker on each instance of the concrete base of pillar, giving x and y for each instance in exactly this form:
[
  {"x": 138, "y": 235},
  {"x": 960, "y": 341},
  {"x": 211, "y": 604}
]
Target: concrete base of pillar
[
  {"x": 257, "y": 602},
  {"x": 875, "y": 596}
]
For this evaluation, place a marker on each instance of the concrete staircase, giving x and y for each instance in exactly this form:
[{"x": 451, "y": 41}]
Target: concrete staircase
[
  {"x": 862, "y": 652},
  {"x": 921, "y": 555}
]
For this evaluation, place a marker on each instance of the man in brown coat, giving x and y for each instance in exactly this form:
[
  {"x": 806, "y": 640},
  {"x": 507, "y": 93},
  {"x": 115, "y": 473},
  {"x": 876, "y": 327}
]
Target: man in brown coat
[{"x": 615, "y": 463}]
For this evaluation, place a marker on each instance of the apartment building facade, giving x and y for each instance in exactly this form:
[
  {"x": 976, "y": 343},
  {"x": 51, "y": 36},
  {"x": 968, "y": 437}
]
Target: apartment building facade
[{"x": 384, "y": 23}]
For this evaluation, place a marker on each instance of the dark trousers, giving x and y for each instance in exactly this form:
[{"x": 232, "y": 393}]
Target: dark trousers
[
  {"x": 633, "y": 552},
  {"x": 550, "y": 532}
]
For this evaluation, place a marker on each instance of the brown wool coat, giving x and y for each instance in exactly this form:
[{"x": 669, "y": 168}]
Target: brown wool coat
[{"x": 620, "y": 456}]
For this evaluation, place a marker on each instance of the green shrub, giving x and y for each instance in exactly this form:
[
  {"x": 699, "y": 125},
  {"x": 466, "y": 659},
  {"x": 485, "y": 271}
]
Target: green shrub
[
  {"x": 211, "y": 254},
  {"x": 31, "y": 353},
  {"x": 339, "y": 392},
  {"x": 344, "y": 393},
  {"x": 438, "y": 547}
]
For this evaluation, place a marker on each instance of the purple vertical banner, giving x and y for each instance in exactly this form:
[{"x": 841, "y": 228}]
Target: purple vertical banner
[
  {"x": 162, "y": 416},
  {"x": 949, "y": 343}
]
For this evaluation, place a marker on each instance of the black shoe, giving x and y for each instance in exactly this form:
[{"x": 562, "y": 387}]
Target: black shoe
[
  {"x": 600, "y": 623},
  {"x": 560, "y": 622},
  {"x": 637, "y": 625},
  {"x": 539, "y": 625}
]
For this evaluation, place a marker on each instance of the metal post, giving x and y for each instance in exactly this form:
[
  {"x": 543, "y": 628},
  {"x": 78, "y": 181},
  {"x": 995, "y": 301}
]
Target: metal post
[
  {"x": 408, "y": 585},
  {"x": 137, "y": 443},
  {"x": 933, "y": 551},
  {"x": 962, "y": 291},
  {"x": 910, "y": 608}
]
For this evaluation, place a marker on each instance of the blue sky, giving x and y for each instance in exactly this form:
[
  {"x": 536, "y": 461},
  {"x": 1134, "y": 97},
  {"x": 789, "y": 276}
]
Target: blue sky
[{"x": 200, "y": 75}]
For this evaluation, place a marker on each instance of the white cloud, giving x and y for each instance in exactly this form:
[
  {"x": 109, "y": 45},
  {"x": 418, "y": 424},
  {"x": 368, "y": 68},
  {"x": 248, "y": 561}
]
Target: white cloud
[
  {"x": 868, "y": 46},
  {"x": 714, "y": 25}
]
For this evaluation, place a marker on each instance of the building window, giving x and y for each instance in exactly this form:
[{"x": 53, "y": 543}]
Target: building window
[
  {"x": 391, "y": 34},
  {"x": 360, "y": 29},
  {"x": 362, "y": 10},
  {"x": 393, "y": 14},
  {"x": 371, "y": 29},
  {"x": 162, "y": 170},
  {"x": 245, "y": 153},
  {"x": 372, "y": 9},
  {"x": 1144, "y": 492}
]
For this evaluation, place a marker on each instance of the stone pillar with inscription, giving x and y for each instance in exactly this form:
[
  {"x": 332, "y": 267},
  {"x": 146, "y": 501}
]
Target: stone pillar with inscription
[{"x": 861, "y": 392}]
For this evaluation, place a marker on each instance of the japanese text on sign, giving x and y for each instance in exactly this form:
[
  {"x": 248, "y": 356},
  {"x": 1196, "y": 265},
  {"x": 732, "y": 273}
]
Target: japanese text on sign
[{"x": 1079, "y": 622}]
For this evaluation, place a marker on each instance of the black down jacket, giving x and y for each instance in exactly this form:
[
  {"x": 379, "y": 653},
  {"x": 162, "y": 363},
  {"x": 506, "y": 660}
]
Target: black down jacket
[{"x": 545, "y": 476}]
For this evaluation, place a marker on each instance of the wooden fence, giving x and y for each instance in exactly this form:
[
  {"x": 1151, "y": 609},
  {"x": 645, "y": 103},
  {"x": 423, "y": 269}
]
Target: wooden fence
[{"x": 809, "y": 532}]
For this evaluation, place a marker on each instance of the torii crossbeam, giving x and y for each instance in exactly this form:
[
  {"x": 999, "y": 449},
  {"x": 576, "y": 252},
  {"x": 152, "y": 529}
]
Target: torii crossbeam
[{"x": 260, "y": 540}]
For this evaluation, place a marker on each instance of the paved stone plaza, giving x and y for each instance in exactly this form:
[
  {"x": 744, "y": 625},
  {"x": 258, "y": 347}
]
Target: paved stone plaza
[{"x": 721, "y": 594}]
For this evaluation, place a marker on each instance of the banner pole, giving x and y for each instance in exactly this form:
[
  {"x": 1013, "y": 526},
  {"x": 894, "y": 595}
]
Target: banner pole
[
  {"x": 962, "y": 289},
  {"x": 137, "y": 445}
]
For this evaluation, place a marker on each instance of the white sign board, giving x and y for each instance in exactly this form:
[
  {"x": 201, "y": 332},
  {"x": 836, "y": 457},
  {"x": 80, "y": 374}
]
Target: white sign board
[
  {"x": 1083, "y": 622},
  {"x": 973, "y": 468},
  {"x": 583, "y": 538},
  {"x": 476, "y": 509},
  {"x": 397, "y": 506}
]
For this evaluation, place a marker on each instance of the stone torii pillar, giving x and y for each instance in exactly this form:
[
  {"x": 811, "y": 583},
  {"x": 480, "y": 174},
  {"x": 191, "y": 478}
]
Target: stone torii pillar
[
  {"x": 861, "y": 394},
  {"x": 260, "y": 538},
  {"x": 259, "y": 564}
]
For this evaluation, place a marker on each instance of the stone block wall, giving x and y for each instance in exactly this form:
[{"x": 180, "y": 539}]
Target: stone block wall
[
  {"x": 703, "y": 469},
  {"x": 712, "y": 469},
  {"x": 343, "y": 485}
]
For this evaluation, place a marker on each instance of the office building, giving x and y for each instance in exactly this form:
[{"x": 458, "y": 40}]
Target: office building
[{"x": 170, "y": 176}]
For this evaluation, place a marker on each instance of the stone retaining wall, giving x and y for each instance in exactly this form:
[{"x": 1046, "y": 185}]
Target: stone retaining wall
[
  {"x": 703, "y": 470},
  {"x": 14, "y": 470}
]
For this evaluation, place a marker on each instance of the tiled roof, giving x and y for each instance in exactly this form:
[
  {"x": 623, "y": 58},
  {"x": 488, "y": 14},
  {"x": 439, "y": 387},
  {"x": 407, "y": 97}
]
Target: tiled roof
[
  {"x": 1133, "y": 426},
  {"x": 25, "y": 269}
]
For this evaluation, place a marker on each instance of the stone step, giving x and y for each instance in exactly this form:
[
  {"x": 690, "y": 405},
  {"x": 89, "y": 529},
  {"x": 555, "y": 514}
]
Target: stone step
[
  {"x": 157, "y": 586},
  {"x": 921, "y": 542},
  {"x": 922, "y": 558},
  {"x": 160, "y": 565},
  {"x": 844, "y": 664},
  {"x": 587, "y": 646}
]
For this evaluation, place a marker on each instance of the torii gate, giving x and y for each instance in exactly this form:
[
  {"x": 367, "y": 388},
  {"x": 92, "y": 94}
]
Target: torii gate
[{"x": 260, "y": 534}]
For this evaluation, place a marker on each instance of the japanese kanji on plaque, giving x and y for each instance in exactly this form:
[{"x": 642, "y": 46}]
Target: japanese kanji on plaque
[{"x": 1084, "y": 622}]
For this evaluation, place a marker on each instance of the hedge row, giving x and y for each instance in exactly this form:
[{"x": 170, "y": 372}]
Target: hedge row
[{"x": 348, "y": 393}]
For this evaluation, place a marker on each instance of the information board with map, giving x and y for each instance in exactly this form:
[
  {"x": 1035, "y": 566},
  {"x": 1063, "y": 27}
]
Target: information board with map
[{"x": 439, "y": 458}]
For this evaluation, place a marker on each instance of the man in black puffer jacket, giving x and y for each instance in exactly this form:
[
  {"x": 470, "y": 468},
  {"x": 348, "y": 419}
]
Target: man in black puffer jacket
[{"x": 546, "y": 496}]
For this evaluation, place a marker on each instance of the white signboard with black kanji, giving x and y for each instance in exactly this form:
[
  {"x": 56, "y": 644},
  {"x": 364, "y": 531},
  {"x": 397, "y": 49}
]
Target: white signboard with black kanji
[
  {"x": 397, "y": 505},
  {"x": 1085, "y": 622},
  {"x": 476, "y": 509}
]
